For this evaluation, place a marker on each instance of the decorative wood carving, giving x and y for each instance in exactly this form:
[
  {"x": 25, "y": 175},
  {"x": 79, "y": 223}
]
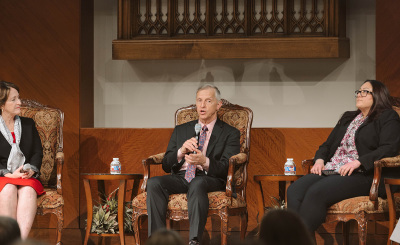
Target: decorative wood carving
[
  {"x": 196, "y": 29},
  {"x": 362, "y": 218}
]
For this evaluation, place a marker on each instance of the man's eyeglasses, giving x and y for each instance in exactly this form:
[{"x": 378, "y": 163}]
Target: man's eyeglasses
[{"x": 363, "y": 93}]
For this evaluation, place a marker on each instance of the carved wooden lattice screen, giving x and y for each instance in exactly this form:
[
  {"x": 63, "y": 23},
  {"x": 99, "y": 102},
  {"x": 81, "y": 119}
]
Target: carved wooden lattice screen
[{"x": 193, "y": 29}]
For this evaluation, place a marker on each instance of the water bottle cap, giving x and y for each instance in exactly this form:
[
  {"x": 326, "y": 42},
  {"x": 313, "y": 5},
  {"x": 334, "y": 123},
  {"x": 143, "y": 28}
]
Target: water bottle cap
[
  {"x": 116, "y": 159},
  {"x": 290, "y": 159}
]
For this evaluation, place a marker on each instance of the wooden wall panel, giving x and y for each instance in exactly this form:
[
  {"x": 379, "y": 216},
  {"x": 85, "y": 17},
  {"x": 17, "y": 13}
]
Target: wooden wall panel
[
  {"x": 387, "y": 44},
  {"x": 269, "y": 150},
  {"x": 39, "y": 51},
  {"x": 86, "y": 90}
]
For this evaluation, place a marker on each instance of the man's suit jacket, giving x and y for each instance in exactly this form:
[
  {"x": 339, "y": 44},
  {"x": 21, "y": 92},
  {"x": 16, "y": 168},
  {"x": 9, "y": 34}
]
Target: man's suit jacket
[
  {"x": 30, "y": 145},
  {"x": 224, "y": 143}
]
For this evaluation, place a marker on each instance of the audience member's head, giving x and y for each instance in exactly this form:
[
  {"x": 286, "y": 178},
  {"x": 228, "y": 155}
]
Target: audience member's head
[
  {"x": 248, "y": 241},
  {"x": 28, "y": 242},
  {"x": 165, "y": 237},
  {"x": 9, "y": 230},
  {"x": 283, "y": 227}
]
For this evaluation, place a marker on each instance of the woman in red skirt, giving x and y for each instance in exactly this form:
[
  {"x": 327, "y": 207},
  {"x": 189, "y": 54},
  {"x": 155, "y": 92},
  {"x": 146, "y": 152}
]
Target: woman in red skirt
[{"x": 20, "y": 160}]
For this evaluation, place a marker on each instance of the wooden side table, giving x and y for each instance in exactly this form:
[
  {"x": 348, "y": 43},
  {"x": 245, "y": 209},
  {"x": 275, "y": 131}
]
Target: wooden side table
[
  {"x": 121, "y": 200},
  {"x": 284, "y": 182}
]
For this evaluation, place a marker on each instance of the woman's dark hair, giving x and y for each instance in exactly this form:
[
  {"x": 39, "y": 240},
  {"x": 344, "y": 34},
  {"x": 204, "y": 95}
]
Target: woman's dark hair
[
  {"x": 9, "y": 230},
  {"x": 284, "y": 227},
  {"x": 381, "y": 102},
  {"x": 165, "y": 237},
  {"x": 28, "y": 242},
  {"x": 5, "y": 88}
]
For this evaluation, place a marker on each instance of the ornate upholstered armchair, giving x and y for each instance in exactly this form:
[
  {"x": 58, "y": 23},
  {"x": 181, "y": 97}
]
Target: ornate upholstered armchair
[
  {"x": 49, "y": 123},
  {"x": 363, "y": 208},
  {"x": 222, "y": 203}
]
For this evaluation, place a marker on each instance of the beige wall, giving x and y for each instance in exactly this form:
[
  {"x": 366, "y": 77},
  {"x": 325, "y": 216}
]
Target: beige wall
[{"x": 281, "y": 92}]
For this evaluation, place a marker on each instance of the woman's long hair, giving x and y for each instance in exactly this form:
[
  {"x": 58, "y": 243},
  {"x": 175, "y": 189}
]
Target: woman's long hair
[{"x": 381, "y": 102}]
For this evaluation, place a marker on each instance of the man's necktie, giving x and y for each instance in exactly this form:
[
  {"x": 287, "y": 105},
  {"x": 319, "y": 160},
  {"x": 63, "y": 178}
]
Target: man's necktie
[{"x": 191, "y": 169}]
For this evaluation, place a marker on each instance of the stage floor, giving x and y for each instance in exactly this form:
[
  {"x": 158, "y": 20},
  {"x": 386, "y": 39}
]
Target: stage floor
[{"x": 76, "y": 236}]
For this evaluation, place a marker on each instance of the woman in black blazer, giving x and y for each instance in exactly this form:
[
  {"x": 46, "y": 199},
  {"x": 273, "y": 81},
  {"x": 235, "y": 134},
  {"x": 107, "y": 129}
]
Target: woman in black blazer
[
  {"x": 358, "y": 139},
  {"x": 20, "y": 160}
]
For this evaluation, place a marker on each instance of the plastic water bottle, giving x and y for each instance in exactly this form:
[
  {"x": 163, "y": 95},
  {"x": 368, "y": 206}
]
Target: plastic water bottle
[
  {"x": 115, "y": 166},
  {"x": 290, "y": 167}
]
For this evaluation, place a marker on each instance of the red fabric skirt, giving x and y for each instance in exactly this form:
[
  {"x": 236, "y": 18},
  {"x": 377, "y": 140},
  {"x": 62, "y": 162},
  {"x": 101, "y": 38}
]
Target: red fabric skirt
[{"x": 32, "y": 182}]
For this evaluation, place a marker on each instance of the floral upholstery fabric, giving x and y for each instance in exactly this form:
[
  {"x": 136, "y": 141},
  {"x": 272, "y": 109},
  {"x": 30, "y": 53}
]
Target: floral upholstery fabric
[
  {"x": 50, "y": 200},
  {"x": 158, "y": 158},
  {"x": 186, "y": 115},
  {"x": 47, "y": 123},
  {"x": 391, "y": 161},
  {"x": 237, "y": 119},
  {"x": 362, "y": 203},
  {"x": 217, "y": 200},
  {"x": 239, "y": 169}
]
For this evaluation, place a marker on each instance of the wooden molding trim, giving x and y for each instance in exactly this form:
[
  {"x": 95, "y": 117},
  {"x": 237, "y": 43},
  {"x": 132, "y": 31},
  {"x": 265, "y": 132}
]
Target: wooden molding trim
[
  {"x": 205, "y": 29},
  {"x": 302, "y": 47}
]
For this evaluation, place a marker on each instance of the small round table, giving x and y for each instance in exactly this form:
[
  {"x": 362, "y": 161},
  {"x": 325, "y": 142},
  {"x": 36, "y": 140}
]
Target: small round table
[
  {"x": 121, "y": 199},
  {"x": 284, "y": 182}
]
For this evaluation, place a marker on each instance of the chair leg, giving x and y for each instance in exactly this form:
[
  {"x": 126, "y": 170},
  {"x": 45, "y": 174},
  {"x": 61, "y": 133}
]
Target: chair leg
[
  {"x": 345, "y": 230},
  {"x": 224, "y": 227},
  {"x": 243, "y": 225},
  {"x": 135, "y": 224},
  {"x": 362, "y": 219},
  {"x": 59, "y": 213},
  {"x": 60, "y": 223}
]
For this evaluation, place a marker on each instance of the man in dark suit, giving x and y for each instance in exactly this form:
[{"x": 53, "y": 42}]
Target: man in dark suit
[{"x": 196, "y": 166}]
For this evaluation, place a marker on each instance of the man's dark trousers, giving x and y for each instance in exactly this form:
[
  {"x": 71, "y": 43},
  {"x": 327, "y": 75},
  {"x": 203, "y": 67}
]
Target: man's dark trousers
[{"x": 160, "y": 187}]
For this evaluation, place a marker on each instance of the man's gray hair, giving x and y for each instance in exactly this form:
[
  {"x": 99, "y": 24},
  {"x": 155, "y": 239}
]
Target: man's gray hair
[{"x": 206, "y": 86}]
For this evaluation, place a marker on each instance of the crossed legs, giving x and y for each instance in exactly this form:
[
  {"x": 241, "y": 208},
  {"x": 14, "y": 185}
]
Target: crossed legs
[{"x": 19, "y": 203}]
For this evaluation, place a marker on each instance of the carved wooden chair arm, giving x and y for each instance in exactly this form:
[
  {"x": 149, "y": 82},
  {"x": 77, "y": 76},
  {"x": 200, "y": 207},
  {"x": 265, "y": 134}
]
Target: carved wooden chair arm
[
  {"x": 389, "y": 162},
  {"x": 155, "y": 159},
  {"x": 60, "y": 163},
  {"x": 151, "y": 160},
  {"x": 239, "y": 159},
  {"x": 234, "y": 161}
]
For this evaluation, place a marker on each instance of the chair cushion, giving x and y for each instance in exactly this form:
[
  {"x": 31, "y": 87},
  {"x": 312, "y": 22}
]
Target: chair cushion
[
  {"x": 362, "y": 203},
  {"x": 217, "y": 200},
  {"x": 50, "y": 200}
]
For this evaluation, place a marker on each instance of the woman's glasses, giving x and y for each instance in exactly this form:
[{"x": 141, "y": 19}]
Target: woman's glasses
[{"x": 362, "y": 92}]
